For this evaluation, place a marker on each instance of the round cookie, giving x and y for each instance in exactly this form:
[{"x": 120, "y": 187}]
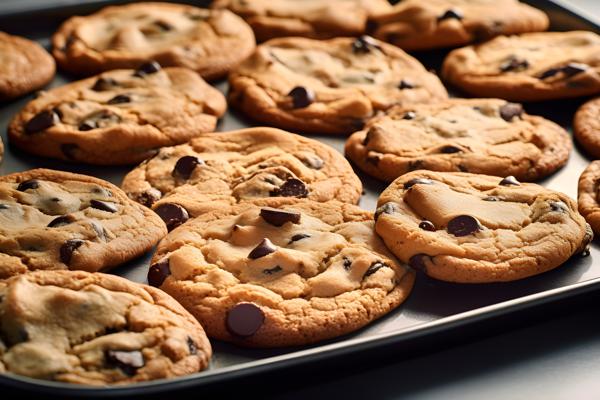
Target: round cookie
[
  {"x": 308, "y": 18},
  {"x": 224, "y": 168},
  {"x": 528, "y": 67},
  {"x": 210, "y": 42},
  {"x": 281, "y": 272},
  {"x": 586, "y": 127},
  {"x": 118, "y": 117},
  {"x": 53, "y": 220},
  {"x": 468, "y": 228},
  {"x": 24, "y": 66},
  {"x": 588, "y": 195},
  {"x": 483, "y": 136},
  {"x": 328, "y": 86},
  {"x": 424, "y": 25},
  {"x": 95, "y": 329}
]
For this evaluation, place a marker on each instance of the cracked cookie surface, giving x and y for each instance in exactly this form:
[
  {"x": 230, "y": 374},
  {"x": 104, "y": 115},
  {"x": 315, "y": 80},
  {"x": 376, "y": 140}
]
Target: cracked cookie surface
[
  {"x": 586, "y": 127},
  {"x": 588, "y": 195},
  {"x": 423, "y": 25},
  {"x": 95, "y": 329},
  {"x": 24, "y": 66},
  {"x": 225, "y": 168},
  {"x": 528, "y": 67},
  {"x": 54, "y": 220},
  {"x": 328, "y": 86},
  {"x": 281, "y": 272},
  {"x": 175, "y": 35},
  {"x": 469, "y": 228},
  {"x": 118, "y": 117},
  {"x": 308, "y": 18},
  {"x": 485, "y": 136}
]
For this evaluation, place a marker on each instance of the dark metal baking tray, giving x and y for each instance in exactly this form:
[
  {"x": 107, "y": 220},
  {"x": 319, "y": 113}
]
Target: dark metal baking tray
[{"x": 433, "y": 308}]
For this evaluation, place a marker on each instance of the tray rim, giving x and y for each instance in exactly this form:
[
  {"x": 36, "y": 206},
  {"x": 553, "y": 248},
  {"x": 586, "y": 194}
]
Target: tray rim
[{"x": 324, "y": 352}]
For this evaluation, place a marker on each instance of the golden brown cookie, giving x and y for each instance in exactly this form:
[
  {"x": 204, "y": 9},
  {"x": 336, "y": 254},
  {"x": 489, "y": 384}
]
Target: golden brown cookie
[
  {"x": 586, "y": 127},
  {"x": 588, "y": 195}
]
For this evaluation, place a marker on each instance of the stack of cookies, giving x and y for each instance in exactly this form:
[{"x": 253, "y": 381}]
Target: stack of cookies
[{"x": 260, "y": 241}]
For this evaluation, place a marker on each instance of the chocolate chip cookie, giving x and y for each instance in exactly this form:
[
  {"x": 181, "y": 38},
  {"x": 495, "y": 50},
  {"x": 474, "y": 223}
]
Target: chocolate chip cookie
[
  {"x": 281, "y": 272},
  {"x": 308, "y": 18},
  {"x": 328, "y": 86},
  {"x": 589, "y": 196},
  {"x": 118, "y": 117},
  {"x": 95, "y": 329},
  {"x": 209, "y": 42},
  {"x": 221, "y": 169},
  {"x": 462, "y": 227},
  {"x": 54, "y": 220},
  {"x": 484, "y": 136},
  {"x": 424, "y": 25},
  {"x": 528, "y": 67},
  {"x": 24, "y": 66},
  {"x": 586, "y": 127}
]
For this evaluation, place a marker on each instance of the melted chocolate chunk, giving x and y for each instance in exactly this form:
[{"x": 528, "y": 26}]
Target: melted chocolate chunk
[
  {"x": 451, "y": 14},
  {"x": 104, "y": 206},
  {"x": 147, "y": 69},
  {"x": 404, "y": 84},
  {"x": 418, "y": 262},
  {"x": 387, "y": 208},
  {"x": 417, "y": 181},
  {"x": 103, "y": 84},
  {"x": 126, "y": 361},
  {"x": 67, "y": 249},
  {"x": 149, "y": 197},
  {"x": 69, "y": 149},
  {"x": 364, "y": 44},
  {"x": 463, "y": 225},
  {"x": 5, "y": 207},
  {"x": 409, "y": 115},
  {"x": 172, "y": 214},
  {"x": 244, "y": 319},
  {"x": 514, "y": 64},
  {"x": 568, "y": 70},
  {"x": 120, "y": 99},
  {"x": 427, "y": 226},
  {"x": 42, "y": 121},
  {"x": 273, "y": 270},
  {"x": 61, "y": 221},
  {"x": 376, "y": 266},
  {"x": 301, "y": 96},
  {"x": 100, "y": 119},
  {"x": 291, "y": 188},
  {"x": 449, "y": 149},
  {"x": 347, "y": 264},
  {"x": 28, "y": 184},
  {"x": 185, "y": 166},
  {"x": 158, "y": 272},
  {"x": 510, "y": 181},
  {"x": 192, "y": 347},
  {"x": 299, "y": 236},
  {"x": 278, "y": 217},
  {"x": 264, "y": 248},
  {"x": 511, "y": 110}
]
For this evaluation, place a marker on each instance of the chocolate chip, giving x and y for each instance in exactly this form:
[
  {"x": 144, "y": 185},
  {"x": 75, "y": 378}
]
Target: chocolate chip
[
  {"x": 103, "y": 84},
  {"x": 549, "y": 73},
  {"x": 291, "y": 188},
  {"x": 387, "y": 208},
  {"x": 28, "y": 184},
  {"x": 5, "y": 207},
  {"x": 418, "y": 262},
  {"x": 409, "y": 115},
  {"x": 299, "y": 236},
  {"x": 158, "y": 272},
  {"x": 364, "y": 44},
  {"x": 404, "y": 84},
  {"x": 68, "y": 149},
  {"x": 449, "y": 149},
  {"x": 61, "y": 221},
  {"x": 165, "y": 26},
  {"x": 98, "y": 229},
  {"x": 427, "y": 226},
  {"x": 347, "y": 264},
  {"x": 568, "y": 70},
  {"x": 559, "y": 206},
  {"x": 374, "y": 158},
  {"x": 313, "y": 162},
  {"x": 376, "y": 266},
  {"x": 119, "y": 99},
  {"x": 514, "y": 64},
  {"x": 264, "y": 248},
  {"x": 244, "y": 319},
  {"x": 42, "y": 121},
  {"x": 273, "y": 270},
  {"x": 67, "y": 249},
  {"x": 463, "y": 168},
  {"x": 301, "y": 96},
  {"x": 451, "y": 14},
  {"x": 104, "y": 206},
  {"x": 173, "y": 214},
  {"x": 147, "y": 69},
  {"x": 100, "y": 119},
  {"x": 510, "y": 110},
  {"x": 417, "y": 181},
  {"x": 148, "y": 197},
  {"x": 463, "y": 225},
  {"x": 278, "y": 217},
  {"x": 126, "y": 361},
  {"x": 510, "y": 180},
  {"x": 491, "y": 198},
  {"x": 192, "y": 347},
  {"x": 184, "y": 167}
]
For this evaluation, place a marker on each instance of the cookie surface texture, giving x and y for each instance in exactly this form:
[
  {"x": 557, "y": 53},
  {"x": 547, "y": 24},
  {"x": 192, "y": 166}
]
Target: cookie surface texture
[
  {"x": 586, "y": 127},
  {"x": 588, "y": 195}
]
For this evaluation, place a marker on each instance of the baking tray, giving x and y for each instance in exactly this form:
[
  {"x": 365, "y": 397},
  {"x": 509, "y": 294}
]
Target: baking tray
[{"x": 434, "y": 308}]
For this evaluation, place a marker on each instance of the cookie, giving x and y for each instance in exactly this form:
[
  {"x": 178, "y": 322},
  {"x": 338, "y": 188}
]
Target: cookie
[
  {"x": 222, "y": 169},
  {"x": 52, "y": 220},
  {"x": 24, "y": 66},
  {"x": 586, "y": 127},
  {"x": 309, "y": 18},
  {"x": 118, "y": 117},
  {"x": 528, "y": 67},
  {"x": 210, "y": 42},
  {"x": 588, "y": 195},
  {"x": 424, "y": 25},
  {"x": 95, "y": 329},
  {"x": 483, "y": 136},
  {"x": 468, "y": 228},
  {"x": 281, "y": 272},
  {"x": 328, "y": 86},
  {"x": 1, "y": 150}
]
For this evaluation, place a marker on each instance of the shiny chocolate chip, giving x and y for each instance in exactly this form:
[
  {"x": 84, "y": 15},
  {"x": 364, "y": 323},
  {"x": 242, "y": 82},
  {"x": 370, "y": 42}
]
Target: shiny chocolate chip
[
  {"x": 427, "y": 226},
  {"x": 104, "y": 206},
  {"x": 291, "y": 188},
  {"x": 61, "y": 221},
  {"x": 409, "y": 115},
  {"x": 69, "y": 149},
  {"x": 99, "y": 119},
  {"x": 147, "y": 69},
  {"x": 98, "y": 229},
  {"x": 4, "y": 206},
  {"x": 271, "y": 271},
  {"x": 299, "y": 236},
  {"x": 264, "y": 248},
  {"x": 514, "y": 64},
  {"x": 301, "y": 97},
  {"x": 417, "y": 181},
  {"x": 172, "y": 214},
  {"x": 192, "y": 347},
  {"x": 510, "y": 181},
  {"x": 463, "y": 225},
  {"x": 103, "y": 84},
  {"x": 347, "y": 264},
  {"x": 387, "y": 208},
  {"x": 376, "y": 266},
  {"x": 127, "y": 361},
  {"x": 278, "y": 217},
  {"x": 148, "y": 197},
  {"x": 42, "y": 121},
  {"x": 244, "y": 319},
  {"x": 28, "y": 184},
  {"x": 184, "y": 167},
  {"x": 67, "y": 249},
  {"x": 449, "y": 149},
  {"x": 559, "y": 206},
  {"x": 158, "y": 272},
  {"x": 568, "y": 70},
  {"x": 418, "y": 262},
  {"x": 364, "y": 44},
  {"x": 120, "y": 99},
  {"x": 511, "y": 110},
  {"x": 451, "y": 14},
  {"x": 404, "y": 84}
]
